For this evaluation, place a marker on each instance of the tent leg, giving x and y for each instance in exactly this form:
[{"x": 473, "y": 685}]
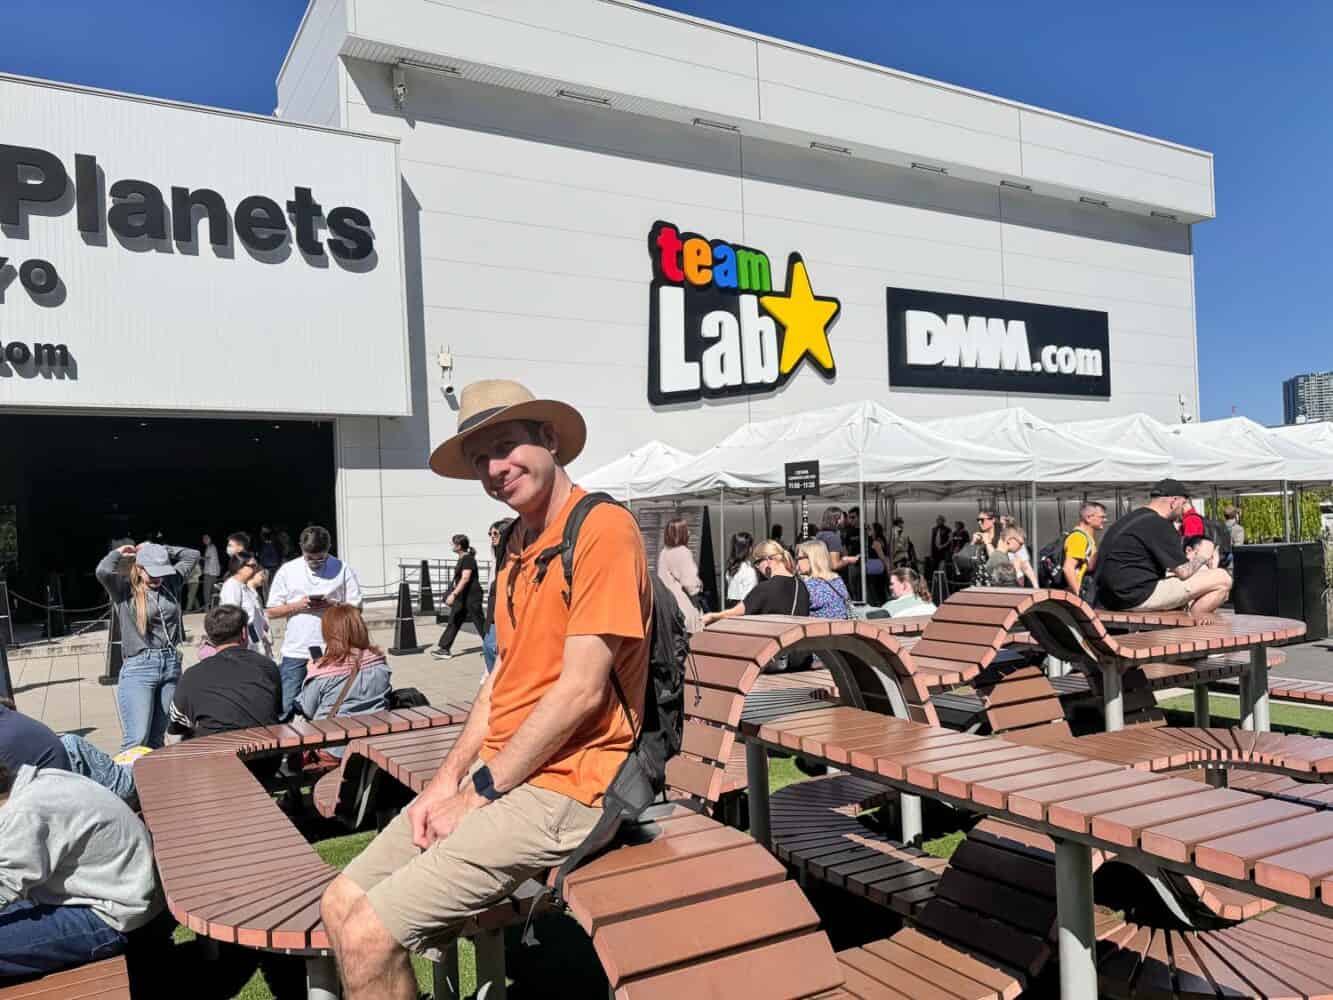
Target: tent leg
[
  {"x": 861, "y": 547},
  {"x": 1286, "y": 514},
  {"x": 722, "y": 543},
  {"x": 1033, "y": 544}
]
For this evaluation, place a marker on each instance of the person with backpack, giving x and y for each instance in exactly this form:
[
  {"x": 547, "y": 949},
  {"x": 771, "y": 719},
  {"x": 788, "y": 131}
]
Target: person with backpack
[
  {"x": 1065, "y": 562},
  {"x": 563, "y": 727}
]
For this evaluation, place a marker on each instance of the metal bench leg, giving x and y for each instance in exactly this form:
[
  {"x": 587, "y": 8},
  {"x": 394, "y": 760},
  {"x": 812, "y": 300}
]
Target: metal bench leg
[
  {"x": 1113, "y": 700},
  {"x": 1077, "y": 934},
  {"x": 1259, "y": 688},
  {"x": 444, "y": 974},
  {"x": 1246, "y": 702},
  {"x": 491, "y": 965},
  {"x": 909, "y": 809},
  {"x": 321, "y": 978},
  {"x": 1202, "y": 716},
  {"x": 756, "y": 783}
]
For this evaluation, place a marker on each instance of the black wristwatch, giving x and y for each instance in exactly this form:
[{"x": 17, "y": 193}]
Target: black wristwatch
[{"x": 485, "y": 784}]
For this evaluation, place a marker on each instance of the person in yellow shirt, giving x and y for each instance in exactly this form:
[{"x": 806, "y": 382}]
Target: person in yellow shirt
[{"x": 1081, "y": 545}]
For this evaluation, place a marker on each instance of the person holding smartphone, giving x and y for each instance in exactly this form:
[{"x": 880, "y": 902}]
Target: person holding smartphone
[{"x": 302, "y": 590}]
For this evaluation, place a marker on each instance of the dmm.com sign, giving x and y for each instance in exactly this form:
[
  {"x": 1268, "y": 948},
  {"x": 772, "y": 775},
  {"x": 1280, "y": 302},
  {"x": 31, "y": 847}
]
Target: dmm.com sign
[{"x": 941, "y": 341}]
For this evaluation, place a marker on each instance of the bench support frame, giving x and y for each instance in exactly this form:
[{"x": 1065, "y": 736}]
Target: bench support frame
[
  {"x": 756, "y": 780},
  {"x": 1202, "y": 713},
  {"x": 1077, "y": 928},
  {"x": 444, "y": 974},
  {"x": 491, "y": 984},
  {"x": 321, "y": 978},
  {"x": 1113, "y": 698},
  {"x": 1254, "y": 714}
]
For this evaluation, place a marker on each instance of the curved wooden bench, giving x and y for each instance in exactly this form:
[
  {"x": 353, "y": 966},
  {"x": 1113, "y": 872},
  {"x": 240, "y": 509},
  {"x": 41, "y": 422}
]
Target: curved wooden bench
[
  {"x": 232, "y": 865},
  {"x": 816, "y": 832},
  {"x": 105, "y": 980}
]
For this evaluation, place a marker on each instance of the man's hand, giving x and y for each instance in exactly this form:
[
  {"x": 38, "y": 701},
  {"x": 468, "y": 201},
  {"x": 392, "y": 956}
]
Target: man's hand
[
  {"x": 300, "y": 604},
  {"x": 127, "y": 550},
  {"x": 437, "y": 811}
]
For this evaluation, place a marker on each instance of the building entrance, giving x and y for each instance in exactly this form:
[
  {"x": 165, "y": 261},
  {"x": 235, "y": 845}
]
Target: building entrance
[{"x": 71, "y": 485}]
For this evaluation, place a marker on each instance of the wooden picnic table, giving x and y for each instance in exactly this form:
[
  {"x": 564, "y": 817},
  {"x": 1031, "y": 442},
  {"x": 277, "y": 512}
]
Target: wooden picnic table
[{"x": 1274, "y": 849}]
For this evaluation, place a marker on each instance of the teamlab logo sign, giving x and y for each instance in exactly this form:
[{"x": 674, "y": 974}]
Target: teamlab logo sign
[
  {"x": 939, "y": 341},
  {"x": 716, "y": 325}
]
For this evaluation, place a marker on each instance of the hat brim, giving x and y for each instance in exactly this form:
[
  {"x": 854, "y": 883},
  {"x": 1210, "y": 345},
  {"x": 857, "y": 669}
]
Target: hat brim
[{"x": 449, "y": 461}]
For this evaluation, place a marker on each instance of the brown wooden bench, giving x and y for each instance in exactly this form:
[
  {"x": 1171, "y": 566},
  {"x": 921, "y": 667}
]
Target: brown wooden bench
[
  {"x": 232, "y": 866},
  {"x": 1280, "y": 851},
  {"x": 105, "y": 980}
]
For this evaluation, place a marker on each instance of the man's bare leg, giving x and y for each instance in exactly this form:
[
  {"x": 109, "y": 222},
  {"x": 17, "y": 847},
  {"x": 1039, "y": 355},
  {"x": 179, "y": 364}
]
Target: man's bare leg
[
  {"x": 371, "y": 963},
  {"x": 1213, "y": 586}
]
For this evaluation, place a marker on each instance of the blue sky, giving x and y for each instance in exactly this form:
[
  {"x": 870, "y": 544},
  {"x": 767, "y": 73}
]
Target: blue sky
[{"x": 1248, "y": 82}]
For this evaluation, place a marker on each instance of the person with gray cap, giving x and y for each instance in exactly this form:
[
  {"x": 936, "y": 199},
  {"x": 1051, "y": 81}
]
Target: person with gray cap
[
  {"x": 1142, "y": 564},
  {"x": 145, "y": 583}
]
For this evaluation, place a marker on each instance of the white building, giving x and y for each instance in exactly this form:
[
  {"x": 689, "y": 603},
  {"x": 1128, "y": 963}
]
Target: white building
[{"x": 555, "y": 159}]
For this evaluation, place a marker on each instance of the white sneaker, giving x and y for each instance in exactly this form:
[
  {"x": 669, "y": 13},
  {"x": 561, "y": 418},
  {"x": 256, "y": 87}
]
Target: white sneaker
[{"x": 441, "y": 654}]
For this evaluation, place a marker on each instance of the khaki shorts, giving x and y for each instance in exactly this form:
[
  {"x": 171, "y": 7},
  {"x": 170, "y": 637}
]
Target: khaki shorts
[
  {"x": 422, "y": 897},
  {"x": 1168, "y": 595}
]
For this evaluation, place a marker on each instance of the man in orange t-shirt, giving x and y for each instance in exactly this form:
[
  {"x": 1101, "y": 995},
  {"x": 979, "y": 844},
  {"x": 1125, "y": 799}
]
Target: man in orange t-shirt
[{"x": 546, "y": 728}]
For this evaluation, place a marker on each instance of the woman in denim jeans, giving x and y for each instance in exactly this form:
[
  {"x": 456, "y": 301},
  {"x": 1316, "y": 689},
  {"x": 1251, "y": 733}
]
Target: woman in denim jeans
[
  {"x": 147, "y": 604},
  {"x": 489, "y": 651}
]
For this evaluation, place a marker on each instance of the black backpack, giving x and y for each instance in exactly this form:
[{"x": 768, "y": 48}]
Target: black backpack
[
  {"x": 641, "y": 780},
  {"x": 1051, "y": 562}
]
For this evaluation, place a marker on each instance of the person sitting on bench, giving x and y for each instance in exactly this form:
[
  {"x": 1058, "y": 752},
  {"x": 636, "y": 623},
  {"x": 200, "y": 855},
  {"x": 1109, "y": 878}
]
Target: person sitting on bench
[
  {"x": 1143, "y": 566},
  {"x": 76, "y": 872},
  {"x": 547, "y": 726}
]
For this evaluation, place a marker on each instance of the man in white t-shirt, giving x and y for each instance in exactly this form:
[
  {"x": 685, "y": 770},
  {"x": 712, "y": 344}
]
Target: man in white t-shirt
[{"x": 301, "y": 591}]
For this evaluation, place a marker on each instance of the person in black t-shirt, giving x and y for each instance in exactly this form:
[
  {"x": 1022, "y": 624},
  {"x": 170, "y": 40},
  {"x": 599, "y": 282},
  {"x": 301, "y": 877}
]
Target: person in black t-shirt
[
  {"x": 778, "y": 592},
  {"x": 1142, "y": 565},
  {"x": 235, "y": 688},
  {"x": 464, "y": 599}
]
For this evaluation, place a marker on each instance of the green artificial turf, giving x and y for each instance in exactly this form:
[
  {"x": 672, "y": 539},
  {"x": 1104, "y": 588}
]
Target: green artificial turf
[{"x": 1225, "y": 709}]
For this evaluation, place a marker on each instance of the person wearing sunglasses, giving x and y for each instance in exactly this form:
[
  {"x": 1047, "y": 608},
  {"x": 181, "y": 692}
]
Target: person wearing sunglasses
[
  {"x": 302, "y": 590},
  {"x": 778, "y": 592}
]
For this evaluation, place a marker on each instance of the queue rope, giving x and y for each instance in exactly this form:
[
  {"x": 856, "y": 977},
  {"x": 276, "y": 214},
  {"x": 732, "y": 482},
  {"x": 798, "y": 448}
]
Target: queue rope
[
  {"x": 57, "y": 607},
  {"x": 47, "y": 642}
]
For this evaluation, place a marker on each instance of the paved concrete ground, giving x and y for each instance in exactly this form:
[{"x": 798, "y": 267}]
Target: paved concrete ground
[{"x": 62, "y": 690}]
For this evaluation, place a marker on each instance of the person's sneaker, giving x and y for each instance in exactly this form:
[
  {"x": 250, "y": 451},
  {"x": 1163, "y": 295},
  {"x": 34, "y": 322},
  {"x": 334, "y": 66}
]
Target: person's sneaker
[{"x": 441, "y": 654}]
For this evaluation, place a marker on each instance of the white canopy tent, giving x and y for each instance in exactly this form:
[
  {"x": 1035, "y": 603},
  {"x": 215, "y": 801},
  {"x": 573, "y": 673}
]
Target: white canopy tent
[
  {"x": 1059, "y": 453},
  {"x": 856, "y": 444},
  {"x": 1317, "y": 435},
  {"x": 1253, "y": 446},
  {"x": 647, "y": 462},
  {"x": 1189, "y": 460}
]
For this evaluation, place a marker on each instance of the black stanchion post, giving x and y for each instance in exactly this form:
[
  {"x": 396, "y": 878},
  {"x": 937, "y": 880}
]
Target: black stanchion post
[
  {"x": 427, "y": 594},
  {"x": 55, "y": 609},
  {"x": 114, "y": 652},
  {"x": 6, "y": 682},
  {"x": 405, "y": 625},
  {"x": 6, "y": 622}
]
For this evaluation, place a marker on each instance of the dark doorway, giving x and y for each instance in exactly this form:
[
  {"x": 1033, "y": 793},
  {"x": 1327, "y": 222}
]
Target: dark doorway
[{"x": 76, "y": 483}]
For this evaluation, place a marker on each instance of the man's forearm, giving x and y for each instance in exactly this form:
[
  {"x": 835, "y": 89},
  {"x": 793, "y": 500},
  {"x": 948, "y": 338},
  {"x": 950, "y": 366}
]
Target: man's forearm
[{"x": 552, "y": 722}]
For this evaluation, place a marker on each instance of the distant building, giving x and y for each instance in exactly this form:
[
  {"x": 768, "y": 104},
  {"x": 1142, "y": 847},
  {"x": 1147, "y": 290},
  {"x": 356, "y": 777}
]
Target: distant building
[{"x": 1307, "y": 397}]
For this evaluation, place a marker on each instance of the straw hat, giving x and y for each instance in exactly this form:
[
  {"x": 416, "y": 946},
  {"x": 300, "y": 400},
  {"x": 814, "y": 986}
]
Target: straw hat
[{"x": 495, "y": 401}]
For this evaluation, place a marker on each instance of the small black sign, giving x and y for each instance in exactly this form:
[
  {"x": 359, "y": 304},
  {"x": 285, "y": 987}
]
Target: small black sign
[
  {"x": 802, "y": 479},
  {"x": 939, "y": 341}
]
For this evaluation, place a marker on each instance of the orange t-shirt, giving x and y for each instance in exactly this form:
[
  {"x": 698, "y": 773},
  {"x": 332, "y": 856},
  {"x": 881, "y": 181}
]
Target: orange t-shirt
[{"x": 611, "y": 595}]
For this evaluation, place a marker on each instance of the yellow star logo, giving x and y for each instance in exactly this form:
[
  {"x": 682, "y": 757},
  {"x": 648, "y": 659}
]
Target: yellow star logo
[{"x": 805, "y": 319}]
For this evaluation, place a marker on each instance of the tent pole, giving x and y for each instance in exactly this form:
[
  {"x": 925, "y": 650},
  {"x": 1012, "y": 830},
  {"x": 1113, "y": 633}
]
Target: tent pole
[
  {"x": 860, "y": 527},
  {"x": 1286, "y": 514},
  {"x": 1032, "y": 522},
  {"x": 722, "y": 541},
  {"x": 1297, "y": 512}
]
